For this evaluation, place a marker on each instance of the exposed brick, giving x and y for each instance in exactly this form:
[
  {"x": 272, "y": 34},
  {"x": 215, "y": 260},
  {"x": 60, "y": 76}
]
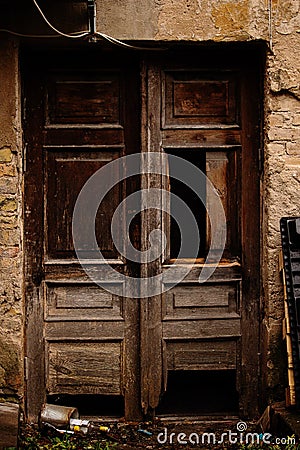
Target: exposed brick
[
  {"x": 284, "y": 134},
  {"x": 7, "y": 170},
  {"x": 293, "y": 162},
  {"x": 284, "y": 103},
  {"x": 10, "y": 221},
  {"x": 296, "y": 120},
  {"x": 275, "y": 149},
  {"x": 9, "y": 237},
  {"x": 7, "y": 204},
  {"x": 9, "y": 265},
  {"x": 276, "y": 120},
  {"x": 8, "y": 185},
  {"x": 293, "y": 148},
  {"x": 280, "y": 134},
  {"x": 9, "y": 252},
  {"x": 5, "y": 154}
]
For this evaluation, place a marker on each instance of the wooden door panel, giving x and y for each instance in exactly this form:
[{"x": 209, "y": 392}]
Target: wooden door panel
[
  {"x": 66, "y": 172},
  {"x": 85, "y": 330},
  {"x": 187, "y": 301},
  {"x": 205, "y": 355},
  {"x": 195, "y": 98},
  {"x": 84, "y": 368},
  {"x": 78, "y": 301},
  {"x": 86, "y": 98},
  {"x": 84, "y": 136},
  {"x": 223, "y": 170}
]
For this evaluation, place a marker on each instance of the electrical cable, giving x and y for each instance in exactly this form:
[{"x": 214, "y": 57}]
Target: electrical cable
[
  {"x": 123, "y": 44},
  {"x": 85, "y": 33},
  {"x": 15, "y": 33},
  {"x": 76, "y": 35},
  {"x": 108, "y": 38}
]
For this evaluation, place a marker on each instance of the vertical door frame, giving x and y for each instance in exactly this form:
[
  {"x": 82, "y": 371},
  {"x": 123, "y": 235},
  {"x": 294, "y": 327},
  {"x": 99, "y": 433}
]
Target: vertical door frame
[
  {"x": 35, "y": 390},
  {"x": 150, "y": 312},
  {"x": 250, "y": 226},
  {"x": 145, "y": 394}
]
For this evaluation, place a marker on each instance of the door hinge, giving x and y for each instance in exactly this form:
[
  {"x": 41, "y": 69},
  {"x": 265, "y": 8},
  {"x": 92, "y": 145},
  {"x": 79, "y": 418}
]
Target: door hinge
[
  {"x": 261, "y": 159},
  {"x": 25, "y": 157},
  {"x": 26, "y": 367}
]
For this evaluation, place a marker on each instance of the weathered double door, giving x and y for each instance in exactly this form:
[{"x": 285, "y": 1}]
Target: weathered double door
[{"x": 83, "y": 110}]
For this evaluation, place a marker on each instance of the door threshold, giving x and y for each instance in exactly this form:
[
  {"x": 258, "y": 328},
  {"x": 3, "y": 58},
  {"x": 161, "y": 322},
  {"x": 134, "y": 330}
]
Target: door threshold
[
  {"x": 102, "y": 419},
  {"x": 211, "y": 418}
]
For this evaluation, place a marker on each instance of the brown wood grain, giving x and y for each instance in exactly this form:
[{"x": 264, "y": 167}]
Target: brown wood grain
[
  {"x": 201, "y": 138},
  {"x": 9, "y": 425},
  {"x": 151, "y": 328},
  {"x": 206, "y": 355},
  {"x": 84, "y": 368},
  {"x": 211, "y": 301},
  {"x": 33, "y": 245},
  {"x": 250, "y": 217},
  {"x": 194, "y": 97},
  {"x": 202, "y": 329},
  {"x": 88, "y": 100}
]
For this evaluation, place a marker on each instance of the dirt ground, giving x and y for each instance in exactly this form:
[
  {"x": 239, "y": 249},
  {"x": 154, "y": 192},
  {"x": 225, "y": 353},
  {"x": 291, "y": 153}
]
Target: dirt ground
[{"x": 158, "y": 435}]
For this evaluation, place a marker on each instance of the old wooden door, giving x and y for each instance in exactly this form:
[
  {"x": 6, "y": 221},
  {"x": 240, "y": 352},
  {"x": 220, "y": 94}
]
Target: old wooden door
[
  {"x": 82, "y": 111},
  {"x": 207, "y": 112}
]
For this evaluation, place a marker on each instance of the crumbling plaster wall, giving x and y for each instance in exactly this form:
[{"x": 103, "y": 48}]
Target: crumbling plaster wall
[
  {"x": 277, "y": 22},
  {"x": 281, "y": 186}
]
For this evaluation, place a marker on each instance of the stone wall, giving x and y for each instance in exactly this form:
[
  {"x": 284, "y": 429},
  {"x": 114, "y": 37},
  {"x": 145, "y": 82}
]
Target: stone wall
[
  {"x": 277, "y": 22},
  {"x": 281, "y": 186},
  {"x": 11, "y": 304}
]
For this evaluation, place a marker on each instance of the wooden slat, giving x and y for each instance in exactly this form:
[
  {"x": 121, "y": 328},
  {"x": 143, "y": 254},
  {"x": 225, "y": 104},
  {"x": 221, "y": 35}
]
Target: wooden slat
[
  {"x": 201, "y": 138},
  {"x": 69, "y": 271},
  {"x": 131, "y": 387},
  {"x": 221, "y": 274},
  {"x": 85, "y": 330},
  {"x": 83, "y": 136},
  {"x": 33, "y": 246},
  {"x": 200, "y": 329}
]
